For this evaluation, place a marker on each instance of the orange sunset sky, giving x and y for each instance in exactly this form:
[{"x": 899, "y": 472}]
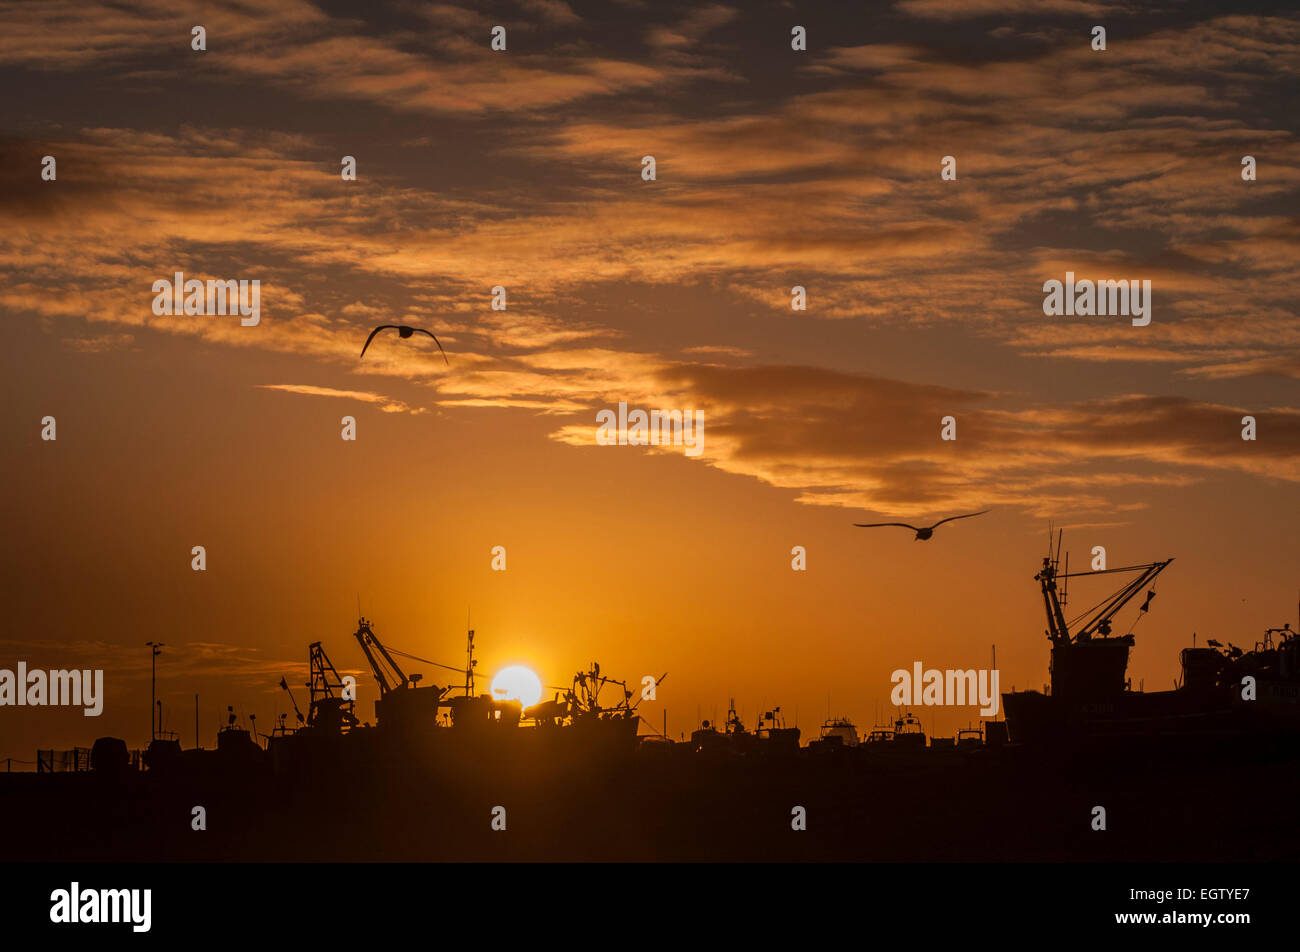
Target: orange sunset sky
[{"x": 522, "y": 168}]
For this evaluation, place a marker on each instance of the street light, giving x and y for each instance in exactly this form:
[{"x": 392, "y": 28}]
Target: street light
[{"x": 156, "y": 647}]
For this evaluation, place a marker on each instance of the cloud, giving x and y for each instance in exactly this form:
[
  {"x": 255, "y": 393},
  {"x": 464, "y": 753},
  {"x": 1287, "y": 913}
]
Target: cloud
[
  {"x": 873, "y": 443},
  {"x": 554, "y": 11},
  {"x": 386, "y": 404},
  {"x": 100, "y": 344},
  {"x": 302, "y": 50},
  {"x": 721, "y": 350},
  {"x": 839, "y": 186},
  {"x": 1123, "y": 166},
  {"x": 183, "y": 661},
  {"x": 1288, "y": 366},
  {"x": 692, "y": 28},
  {"x": 970, "y": 9}
]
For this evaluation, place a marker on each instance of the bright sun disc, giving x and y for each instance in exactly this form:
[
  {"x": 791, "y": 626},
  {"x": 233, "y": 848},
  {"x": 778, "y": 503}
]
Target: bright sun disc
[{"x": 517, "y": 683}]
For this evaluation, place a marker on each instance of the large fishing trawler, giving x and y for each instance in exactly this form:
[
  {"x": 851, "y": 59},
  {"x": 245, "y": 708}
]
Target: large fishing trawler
[{"x": 1224, "y": 691}]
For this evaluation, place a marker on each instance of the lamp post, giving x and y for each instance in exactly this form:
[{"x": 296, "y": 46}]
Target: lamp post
[{"x": 156, "y": 647}]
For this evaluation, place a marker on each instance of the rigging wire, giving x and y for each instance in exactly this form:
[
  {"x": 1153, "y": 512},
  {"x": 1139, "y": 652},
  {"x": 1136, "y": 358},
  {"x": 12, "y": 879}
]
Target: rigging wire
[
  {"x": 411, "y": 657},
  {"x": 403, "y": 654}
]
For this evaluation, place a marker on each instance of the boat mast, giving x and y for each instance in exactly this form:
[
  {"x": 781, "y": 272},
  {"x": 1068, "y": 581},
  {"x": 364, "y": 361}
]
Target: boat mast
[
  {"x": 1057, "y": 630},
  {"x": 469, "y": 659}
]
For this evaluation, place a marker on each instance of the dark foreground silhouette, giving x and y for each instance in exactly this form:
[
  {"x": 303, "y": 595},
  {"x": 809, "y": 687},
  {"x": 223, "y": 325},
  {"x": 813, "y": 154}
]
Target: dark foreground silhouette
[
  {"x": 1233, "y": 803},
  {"x": 1088, "y": 770}
]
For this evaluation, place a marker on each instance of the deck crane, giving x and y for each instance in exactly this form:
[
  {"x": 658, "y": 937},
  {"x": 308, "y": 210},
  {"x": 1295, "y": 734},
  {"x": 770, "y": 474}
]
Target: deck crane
[
  {"x": 1090, "y": 662},
  {"x": 330, "y": 710},
  {"x": 403, "y": 704},
  {"x": 388, "y": 673},
  {"x": 1096, "y": 621}
]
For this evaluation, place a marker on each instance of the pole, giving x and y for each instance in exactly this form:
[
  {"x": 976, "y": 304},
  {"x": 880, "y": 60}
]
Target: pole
[
  {"x": 196, "y": 721},
  {"x": 156, "y": 649}
]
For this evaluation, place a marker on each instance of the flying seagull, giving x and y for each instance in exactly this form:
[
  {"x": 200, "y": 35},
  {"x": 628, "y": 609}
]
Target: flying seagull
[
  {"x": 404, "y": 332},
  {"x": 921, "y": 533}
]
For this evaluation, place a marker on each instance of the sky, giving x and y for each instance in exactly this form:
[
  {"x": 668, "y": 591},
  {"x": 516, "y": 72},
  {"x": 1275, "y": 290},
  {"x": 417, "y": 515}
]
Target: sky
[{"x": 523, "y": 169}]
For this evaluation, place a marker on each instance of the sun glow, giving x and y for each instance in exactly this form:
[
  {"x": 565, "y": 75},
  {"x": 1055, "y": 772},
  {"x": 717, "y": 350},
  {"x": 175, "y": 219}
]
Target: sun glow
[{"x": 517, "y": 683}]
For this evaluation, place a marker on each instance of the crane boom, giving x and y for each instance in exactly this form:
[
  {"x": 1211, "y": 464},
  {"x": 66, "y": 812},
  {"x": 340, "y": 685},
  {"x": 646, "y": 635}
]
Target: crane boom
[
  {"x": 1097, "y": 621},
  {"x": 366, "y": 638},
  {"x": 1100, "y": 623}
]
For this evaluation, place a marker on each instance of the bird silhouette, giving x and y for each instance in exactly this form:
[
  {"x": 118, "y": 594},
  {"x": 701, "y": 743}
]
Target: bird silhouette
[
  {"x": 404, "y": 332},
  {"x": 922, "y": 532}
]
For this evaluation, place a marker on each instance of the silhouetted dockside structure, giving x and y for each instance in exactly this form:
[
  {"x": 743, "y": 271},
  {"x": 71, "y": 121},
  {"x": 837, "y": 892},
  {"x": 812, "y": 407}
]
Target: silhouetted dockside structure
[{"x": 1224, "y": 692}]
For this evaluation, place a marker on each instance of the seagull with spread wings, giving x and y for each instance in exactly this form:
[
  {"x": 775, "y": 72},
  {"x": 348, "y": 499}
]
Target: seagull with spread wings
[
  {"x": 404, "y": 332},
  {"x": 922, "y": 533}
]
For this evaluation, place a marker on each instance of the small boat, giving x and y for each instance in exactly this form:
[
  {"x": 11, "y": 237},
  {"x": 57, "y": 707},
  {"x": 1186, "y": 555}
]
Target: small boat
[
  {"x": 772, "y": 734},
  {"x": 836, "y": 733},
  {"x": 908, "y": 732},
  {"x": 880, "y": 734},
  {"x": 707, "y": 738}
]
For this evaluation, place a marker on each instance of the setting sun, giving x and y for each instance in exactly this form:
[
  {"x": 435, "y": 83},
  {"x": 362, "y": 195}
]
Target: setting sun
[{"x": 517, "y": 683}]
